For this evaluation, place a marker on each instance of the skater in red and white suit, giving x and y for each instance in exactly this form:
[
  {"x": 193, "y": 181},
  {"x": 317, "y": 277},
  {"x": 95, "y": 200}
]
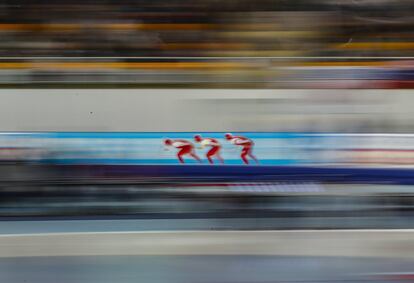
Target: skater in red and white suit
[
  {"x": 184, "y": 147},
  {"x": 214, "y": 150},
  {"x": 246, "y": 144}
]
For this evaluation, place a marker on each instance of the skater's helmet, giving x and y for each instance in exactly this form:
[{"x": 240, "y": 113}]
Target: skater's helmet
[{"x": 228, "y": 136}]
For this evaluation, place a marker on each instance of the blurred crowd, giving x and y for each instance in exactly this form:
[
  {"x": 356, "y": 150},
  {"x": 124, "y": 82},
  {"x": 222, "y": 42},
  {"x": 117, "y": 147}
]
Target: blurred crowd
[{"x": 207, "y": 28}]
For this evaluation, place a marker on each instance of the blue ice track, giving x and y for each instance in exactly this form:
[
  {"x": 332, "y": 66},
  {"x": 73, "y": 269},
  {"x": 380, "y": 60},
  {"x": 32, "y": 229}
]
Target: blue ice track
[{"x": 315, "y": 157}]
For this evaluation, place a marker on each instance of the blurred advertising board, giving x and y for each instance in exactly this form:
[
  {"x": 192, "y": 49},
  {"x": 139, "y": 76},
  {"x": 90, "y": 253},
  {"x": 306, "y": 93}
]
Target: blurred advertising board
[{"x": 284, "y": 149}]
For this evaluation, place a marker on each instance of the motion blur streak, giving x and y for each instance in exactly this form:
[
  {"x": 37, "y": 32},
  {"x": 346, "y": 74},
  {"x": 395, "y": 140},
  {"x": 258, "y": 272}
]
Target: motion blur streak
[
  {"x": 316, "y": 27},
  {"x": 205, "y": 110},
  {"x": 351, "y": 243},
  {"x": 331, "y": 256},
  {"x": 206, "y": 141},
  {"x": 247, "y": 42}
]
